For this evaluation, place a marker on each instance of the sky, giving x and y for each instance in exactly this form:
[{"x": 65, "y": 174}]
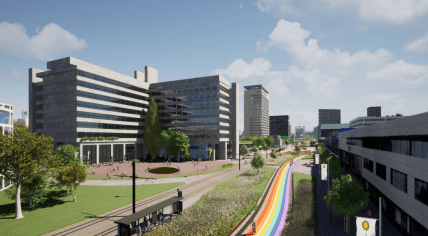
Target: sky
[{"x": 309, "y": 55}]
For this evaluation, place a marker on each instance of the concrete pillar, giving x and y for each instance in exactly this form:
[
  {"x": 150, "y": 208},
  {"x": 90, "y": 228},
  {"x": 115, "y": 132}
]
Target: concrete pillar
[
  {"x": 111, "y": 151},
  {"x": 213, "y": 153},
  {"x": 234, "y": 124},
  {"x": 223, "y": 150},
  {"x": 81, "y": 151},
  {"x": 98, "y": 154},
  {"x": 124, "y": 151}
]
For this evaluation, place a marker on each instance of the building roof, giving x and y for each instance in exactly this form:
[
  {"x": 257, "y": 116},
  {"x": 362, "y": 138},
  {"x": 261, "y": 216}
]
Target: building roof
[
  {"x": 256, "y": 87},
  {"x": 334, "y": 126},
  {"x": 145, "y": 212}
]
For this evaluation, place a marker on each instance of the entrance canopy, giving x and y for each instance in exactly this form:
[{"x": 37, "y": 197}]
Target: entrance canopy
[{"x": 145, "y": 212}]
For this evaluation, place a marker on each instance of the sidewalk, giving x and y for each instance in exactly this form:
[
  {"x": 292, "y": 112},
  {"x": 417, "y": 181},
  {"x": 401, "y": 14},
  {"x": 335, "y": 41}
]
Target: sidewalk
[{"x": 333, "y": 225}]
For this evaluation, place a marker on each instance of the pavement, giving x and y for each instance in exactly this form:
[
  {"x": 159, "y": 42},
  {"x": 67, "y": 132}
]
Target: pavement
[{"x": 103, "y": 224}]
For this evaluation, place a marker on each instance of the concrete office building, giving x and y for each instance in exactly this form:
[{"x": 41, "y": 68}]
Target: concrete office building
[
  {"x": 316, "y": 132},
  {"x": 279, "y": 125},
  {"x": 206, "y": 109},
  {"x": 256, "y": 111},
  {"x": 300, "y": 132},
  {"x": 374, "y": 111},
  {"x": 366, "y": 121},
  {"x": 75, "y": 100},
  {"x": 327, "y": 116},
  {"x": 391, "y": 161},
  {"x": 6, "y": 118},
  {"x": 327, "y": 128}
]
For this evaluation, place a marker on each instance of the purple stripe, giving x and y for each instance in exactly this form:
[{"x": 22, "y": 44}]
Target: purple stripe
[{"x": 284, "y": 214}]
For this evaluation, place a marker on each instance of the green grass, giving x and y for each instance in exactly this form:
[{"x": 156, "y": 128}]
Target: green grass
[
  {"x": 310, "y": 157},
  {"x": 228, "y": 166},
  {"x": 62, "y": 211}
]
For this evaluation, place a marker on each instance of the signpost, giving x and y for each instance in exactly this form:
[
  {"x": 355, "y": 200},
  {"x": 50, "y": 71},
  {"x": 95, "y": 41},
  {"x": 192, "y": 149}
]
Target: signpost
[{"x": 317, "y": 159}]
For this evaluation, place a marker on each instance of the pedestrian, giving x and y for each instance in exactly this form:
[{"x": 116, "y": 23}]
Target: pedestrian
[
  {"x": 139, "y": 232},
  {"x": 148, "y": 226}
]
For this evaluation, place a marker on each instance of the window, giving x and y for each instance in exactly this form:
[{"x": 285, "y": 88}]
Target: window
[
  {"x": 396, "y": 146},
  {"x": 404, "y": 147},
  {"x": 368, "y": 164},
  {"x": 381, "y": 171},
  {"x": 421, "y": 191},
  {"x": 399, "y": 180},
  {"x": 417, "y": 149},
  {"x": 425, "y": 150}
]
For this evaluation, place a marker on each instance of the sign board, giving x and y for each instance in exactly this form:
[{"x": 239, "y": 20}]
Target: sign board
[
  {"x": 323, "y": 171},
  {"x": 317, "y": 159},
  {"x": 366, "y": 226}
]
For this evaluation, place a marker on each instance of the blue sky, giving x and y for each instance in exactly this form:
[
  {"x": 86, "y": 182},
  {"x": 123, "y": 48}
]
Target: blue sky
[{"x": 346, "y": 55}]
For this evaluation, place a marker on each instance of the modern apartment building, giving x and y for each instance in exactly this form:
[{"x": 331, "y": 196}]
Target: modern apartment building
[
  {"x": 366, "y": 121},
  {"x": 300, "y": 132},
  {"x": 279, "y": 125},
  {"x": 390, "y": 160},
  {"x": 6, "y": 118},
  {"x": 327, "y": 116},
  {"x": 316, "y": 132},
  {"x": 374, "y": 111},
  {"x": 256, "y": 111},
  {"x": 327, "y": 128},
  {"x": 75, "y": 100}
]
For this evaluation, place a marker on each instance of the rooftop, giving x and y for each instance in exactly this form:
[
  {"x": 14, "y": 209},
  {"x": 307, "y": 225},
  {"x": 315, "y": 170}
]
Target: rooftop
[{"x": 256, "y": 87}]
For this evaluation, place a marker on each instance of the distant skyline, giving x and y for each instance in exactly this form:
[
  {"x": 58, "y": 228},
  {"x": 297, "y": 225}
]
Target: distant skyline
[{"x": 317, "y": 54}]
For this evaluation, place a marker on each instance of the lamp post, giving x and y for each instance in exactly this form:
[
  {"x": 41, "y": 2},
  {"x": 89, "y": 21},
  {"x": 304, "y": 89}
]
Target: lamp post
[{"x": 133, "y": 185}]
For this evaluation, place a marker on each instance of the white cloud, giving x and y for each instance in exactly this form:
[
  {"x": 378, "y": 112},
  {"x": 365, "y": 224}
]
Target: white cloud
[
  {"x": 240, "y": 69},
  {"x": 377, "y": 98},
  {"x": 241, "y": 6},
  {"x": 401, "y": 71},
  {"x": 419, "y": 45},
  {"x": 391, "y": 11},
  {"x": 12, "y": 74},
  {"x": 50, "y": 43}
]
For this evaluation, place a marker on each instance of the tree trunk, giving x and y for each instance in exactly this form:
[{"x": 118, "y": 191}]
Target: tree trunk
[
  {"x": 68, "y": 191},
  {"x": 18, "y": 211},
  {"x": 74, "y": 194}
]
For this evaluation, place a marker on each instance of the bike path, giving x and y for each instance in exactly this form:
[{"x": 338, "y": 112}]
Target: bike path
[{"x": 270, "y": 218}]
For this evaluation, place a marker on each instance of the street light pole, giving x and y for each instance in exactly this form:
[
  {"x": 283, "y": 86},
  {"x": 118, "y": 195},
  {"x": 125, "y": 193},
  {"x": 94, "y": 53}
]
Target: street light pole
[{"x": 133, "y": 186}]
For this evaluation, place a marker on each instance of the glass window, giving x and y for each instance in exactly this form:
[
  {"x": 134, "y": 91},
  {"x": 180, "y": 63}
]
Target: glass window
[
  {"x": 195, "y": 89},
  {"x": 381, "y": 171},
  {"x": 368, "y": 164},
  {"x": 404, "y": 147},
  {"x": 4, "y": 117},
  {"x": 417, "y": 149},
  {"x": 421, "y": 191},
  {"x": 425, "y": 150},
  {"x": 202, "y": 89},
  {"x": 399, "y": 180},
  {"x": 208, "y": 89},
  {"x": 396, "y": 145}
]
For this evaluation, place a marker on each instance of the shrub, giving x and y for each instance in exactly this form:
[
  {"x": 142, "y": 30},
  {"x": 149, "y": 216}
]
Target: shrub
[
  {"x": 273, "y": 155},
  {"x": 302, "y": 218},
  {"x": 227, "y": 164},
  {"x": 257, "y": 162}
]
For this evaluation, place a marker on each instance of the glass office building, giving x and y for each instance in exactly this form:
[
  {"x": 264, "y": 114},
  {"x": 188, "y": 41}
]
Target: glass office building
[
  {"x": 6, "y": 118},
  {"x": 75, "y": 100}
]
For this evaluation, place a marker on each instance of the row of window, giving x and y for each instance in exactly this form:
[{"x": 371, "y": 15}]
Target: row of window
[
  {"x": 39, "y": 97},
  {"x": 39, "y": 107},
  {"x": 108, "y": 108},
  {"x": 108, "y": 126},
  {"x": 38, "y": 88},
  {"x": 188, "y": 90},
  {"x": 110, "y": 81},
  {"x": 189, "y": 105},
  {"x": 107, "y": 117},
  {"x": 110, "y": 99},
  {"x": 399, "y": 180},
  {"x": 120, "y": 135},
  {"x": 196, "y": 128},
  {"x": 202, "y": 136},
  {"x": 39, "y": 126},
  {"x": 188, "y": 113},
  {"x": 190, "y": 120},
  {"x": 413, "y": 145},
  {"x": 39, "y": 116},
  {"x": 110, "y": 90}
]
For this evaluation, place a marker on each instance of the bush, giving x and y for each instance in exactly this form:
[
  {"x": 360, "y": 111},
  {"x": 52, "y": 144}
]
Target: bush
[
  {"x": 302, "y": 218},
  {"x": 273, "y": 155},
  {"x": 227, "y": 164},
  {"x": 257, "y": 162}
]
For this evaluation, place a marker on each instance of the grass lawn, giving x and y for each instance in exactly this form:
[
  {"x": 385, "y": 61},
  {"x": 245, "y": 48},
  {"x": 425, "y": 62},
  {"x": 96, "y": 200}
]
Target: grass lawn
[
  {"x": 61, "y": 211},
  {"x": 162, "y": 177},
  {"x": 309, "y": 157}
]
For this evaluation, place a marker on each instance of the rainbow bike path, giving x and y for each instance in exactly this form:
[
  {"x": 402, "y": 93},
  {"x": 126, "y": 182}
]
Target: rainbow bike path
[{"x": 271, "y": 217}]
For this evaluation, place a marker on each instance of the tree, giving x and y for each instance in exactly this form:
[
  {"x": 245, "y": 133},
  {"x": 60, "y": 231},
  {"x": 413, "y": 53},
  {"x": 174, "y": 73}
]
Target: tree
[
  {"x": 288, "y": 142},
  {"x": 269, "y": 142},
  {"x": 347, "y": 196},
  {"x": 334, "y": 167},
  {"x": 178, "y": 143},
  {"x": 242, "y": 150},
  {"x": 255, "y": 149},
  {"x": 312, "y": 143},
  {"x": 387, "y": 116},
  {"x": 152, "y": 129},
  {"x": 162, "y": 140},
  {"x": 74, "y": 175},
  {"x": 34, "y": 192},
  {"x": 257, "y": 162},
  {"x": 273, "y": 154},
  {"x": 399, "y": 114},
  {"x": 67, "y": 154},
  {"x": 297, "y": 148},
  {"x": 25, "y": 155}
]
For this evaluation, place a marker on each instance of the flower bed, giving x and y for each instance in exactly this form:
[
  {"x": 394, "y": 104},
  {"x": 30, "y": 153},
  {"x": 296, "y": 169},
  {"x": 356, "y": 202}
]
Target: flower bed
[{"x": 222, "y": 208}]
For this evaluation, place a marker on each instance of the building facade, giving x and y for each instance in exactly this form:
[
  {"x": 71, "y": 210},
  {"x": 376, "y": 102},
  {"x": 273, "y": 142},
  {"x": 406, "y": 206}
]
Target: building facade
[
  {"x": 374, "y": 111},
  {"x": 279, "y": 125},
  {"x": 316, "y": 132},
  {"x": 366, "y": 121},
  {"x": 327, "y": 116},
  {"x": 6, "y": 118},
  {"x": 103, "y": 112},
  {"x": 23, "y": 121},
  {"x": 327, "y": 128},
  {"x": 300, "y": 132},
  {"x": 391, "y": 161},
  {"x": 256, "y": 111}
]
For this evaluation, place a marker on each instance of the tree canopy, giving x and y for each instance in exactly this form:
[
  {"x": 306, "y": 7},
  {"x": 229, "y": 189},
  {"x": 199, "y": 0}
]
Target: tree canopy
[
  {"x": 243, "y": 150},
  {"x": 257, "y": 162},
  {"x": 347, "y": 196},
  {"x": 152, "y": 129},
  {"x": 178, "y": 144},
  {"x": 25, "y": 155},
  {"x": 162, "y": 140},
  {"x": 255, "y": 149},
  {"x": 67, "y": 154}
]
